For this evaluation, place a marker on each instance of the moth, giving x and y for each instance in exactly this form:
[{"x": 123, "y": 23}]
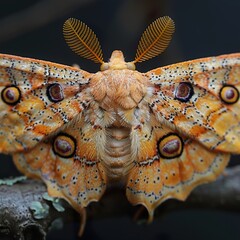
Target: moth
[{"x": 158, "y": 134}]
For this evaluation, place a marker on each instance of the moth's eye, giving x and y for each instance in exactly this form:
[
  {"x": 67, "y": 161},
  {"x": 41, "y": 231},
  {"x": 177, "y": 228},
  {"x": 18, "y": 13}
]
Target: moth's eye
[
  {"x": 64, "y": 145},
  {"x": 131, "y": 66},
  {"x": 11, "y": 95},
  {"x": 184, "y": 91},
  {"x": 104, "y": 66},
  {"x": 170, "y": 146},
  {"x": 229, "y": 94},
  {"x": 55, "y": 92}
]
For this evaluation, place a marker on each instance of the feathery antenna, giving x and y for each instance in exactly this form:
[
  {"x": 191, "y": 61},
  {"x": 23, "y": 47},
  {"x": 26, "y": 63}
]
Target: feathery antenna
[
  {"x": 155, "y": 39},
  {"x": 82, "y": 40}
]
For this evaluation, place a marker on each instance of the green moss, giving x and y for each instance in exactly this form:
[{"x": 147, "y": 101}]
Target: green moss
[
  {"x": 40, "y": 210},
  {"x": 11, "y": 181},
  {"x": 56, "y": 202}
]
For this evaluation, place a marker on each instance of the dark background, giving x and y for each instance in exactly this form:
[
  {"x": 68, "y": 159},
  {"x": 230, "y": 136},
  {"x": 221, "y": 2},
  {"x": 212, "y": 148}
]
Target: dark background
[{"x": 204, "y": 28}]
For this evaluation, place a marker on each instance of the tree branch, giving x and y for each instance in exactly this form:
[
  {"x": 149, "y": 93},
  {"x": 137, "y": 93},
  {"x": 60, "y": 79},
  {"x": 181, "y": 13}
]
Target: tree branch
[{"x": 21, "y": 217}]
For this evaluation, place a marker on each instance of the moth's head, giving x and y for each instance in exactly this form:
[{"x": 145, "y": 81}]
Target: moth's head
[
  {"x": 83, "y": 41},
  {"x": 117, "y": 62}
]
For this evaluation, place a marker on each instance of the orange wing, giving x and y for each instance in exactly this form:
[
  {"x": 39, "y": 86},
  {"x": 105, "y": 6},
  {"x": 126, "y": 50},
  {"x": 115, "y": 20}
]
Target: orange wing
[
  {"x": 171, "y": 165},
  {"x": 200, "y": 98},
  {"x": 194, "y": 126},
  {"x": 67, "y": 162},
  {"x": 35, "y": 100}
]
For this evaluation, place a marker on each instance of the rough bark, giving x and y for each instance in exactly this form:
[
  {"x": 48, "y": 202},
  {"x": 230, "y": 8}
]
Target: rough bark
[{"x": 18, "y": 220}]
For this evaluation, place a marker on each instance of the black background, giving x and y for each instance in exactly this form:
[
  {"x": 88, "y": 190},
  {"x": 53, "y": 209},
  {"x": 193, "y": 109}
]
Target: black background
[{"x": 204, "y": 28}]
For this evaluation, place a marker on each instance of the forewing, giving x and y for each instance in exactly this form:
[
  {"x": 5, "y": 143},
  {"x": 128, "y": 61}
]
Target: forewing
[
  {"x": 200, "y": 98},
  {"x": 37, "y": 98}
]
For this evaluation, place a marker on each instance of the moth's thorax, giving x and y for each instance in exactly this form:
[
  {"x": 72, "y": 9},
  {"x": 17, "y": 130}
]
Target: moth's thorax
[{"x": 118, "y": 89}]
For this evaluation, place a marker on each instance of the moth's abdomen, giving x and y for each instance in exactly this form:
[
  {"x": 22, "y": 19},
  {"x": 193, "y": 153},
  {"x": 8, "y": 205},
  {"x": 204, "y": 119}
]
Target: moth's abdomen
[
  {"x": 118, "y": 153},
  {"x": 118, "y": 142}
]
